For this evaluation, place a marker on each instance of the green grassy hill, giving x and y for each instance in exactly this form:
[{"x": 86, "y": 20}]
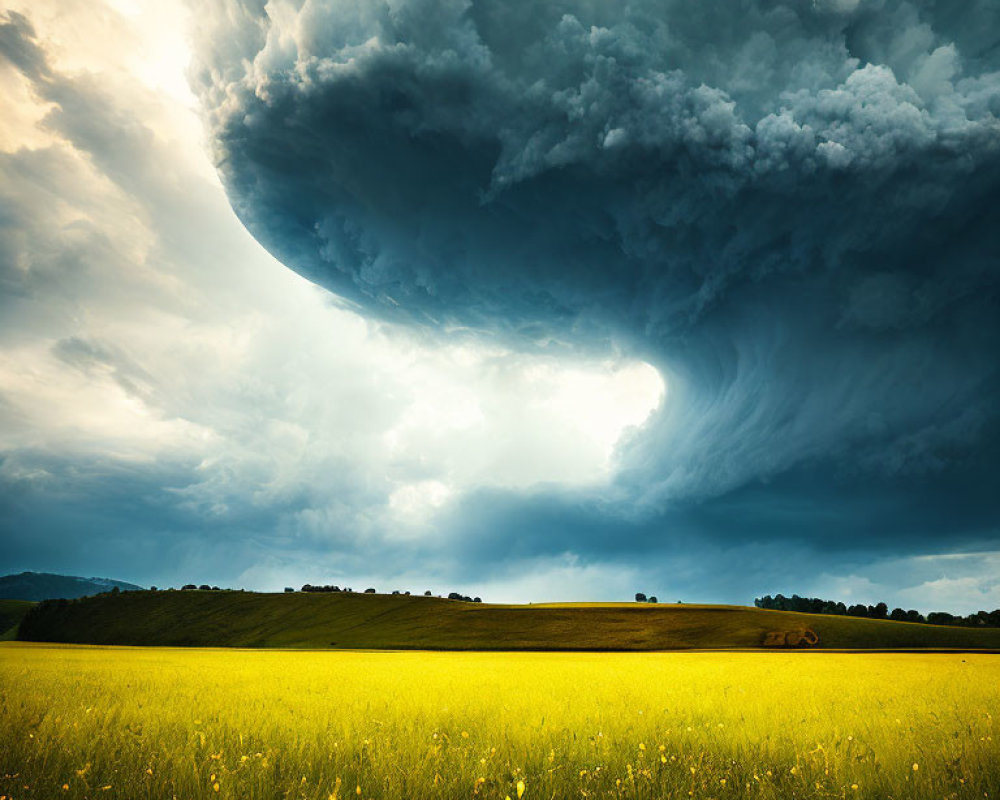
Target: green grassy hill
[
  {"x": 246, "y": 619},
  {"x": 11, "y": 613}
]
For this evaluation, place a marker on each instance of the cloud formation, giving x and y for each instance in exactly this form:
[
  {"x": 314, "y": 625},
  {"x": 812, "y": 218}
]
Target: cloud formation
[
  {"x": 511, "y": 162},
  {"x": 786, "y": 207}
]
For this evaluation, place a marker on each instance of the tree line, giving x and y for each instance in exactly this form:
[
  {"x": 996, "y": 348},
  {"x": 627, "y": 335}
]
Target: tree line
[
  {"x": 308, "y": 587},
  {"x": 816, "y": 605}
]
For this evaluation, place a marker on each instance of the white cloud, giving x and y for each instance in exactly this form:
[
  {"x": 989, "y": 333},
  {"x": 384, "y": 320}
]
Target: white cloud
[
  {"x": 544, "y": 580},
  {"x": 560, "y": 579},
  {"x": 959, "y": 583}
]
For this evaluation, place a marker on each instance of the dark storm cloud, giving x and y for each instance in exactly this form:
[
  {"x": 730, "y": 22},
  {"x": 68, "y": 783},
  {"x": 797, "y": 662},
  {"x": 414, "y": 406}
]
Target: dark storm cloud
[
  {"x": 787, "y": 207},
  {"x": 503, "y": 162},
  {"x": 96, "y": 512}
]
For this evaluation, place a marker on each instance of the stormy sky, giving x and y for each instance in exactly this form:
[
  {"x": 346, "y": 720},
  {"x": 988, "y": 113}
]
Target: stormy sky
[{"x": 560, "y": 299}]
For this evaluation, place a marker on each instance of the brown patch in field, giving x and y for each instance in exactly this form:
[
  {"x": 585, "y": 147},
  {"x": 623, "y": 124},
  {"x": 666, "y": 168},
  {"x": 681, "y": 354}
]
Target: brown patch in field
[{"x": 800, "y": 637}]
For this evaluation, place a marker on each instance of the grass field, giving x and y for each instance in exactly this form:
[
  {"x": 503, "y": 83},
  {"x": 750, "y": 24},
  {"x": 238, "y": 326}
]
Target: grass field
[
  {"x": 162, "y": 723},
  {"x": 370, "y": 621}
]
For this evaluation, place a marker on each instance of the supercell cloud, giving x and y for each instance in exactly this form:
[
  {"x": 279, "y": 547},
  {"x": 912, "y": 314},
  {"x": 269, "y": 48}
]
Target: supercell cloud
[{"x": 789, "y": 208}]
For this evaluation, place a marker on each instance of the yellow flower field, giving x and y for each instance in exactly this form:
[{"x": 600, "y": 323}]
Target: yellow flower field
[{"x": 162, "y": 723}]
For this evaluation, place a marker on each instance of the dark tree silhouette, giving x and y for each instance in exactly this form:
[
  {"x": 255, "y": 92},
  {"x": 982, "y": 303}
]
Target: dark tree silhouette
[{"x": 878, "y": 611}]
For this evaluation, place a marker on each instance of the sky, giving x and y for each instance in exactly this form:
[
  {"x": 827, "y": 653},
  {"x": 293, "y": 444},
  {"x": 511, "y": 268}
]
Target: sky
[{"x": 528, "y": 300}]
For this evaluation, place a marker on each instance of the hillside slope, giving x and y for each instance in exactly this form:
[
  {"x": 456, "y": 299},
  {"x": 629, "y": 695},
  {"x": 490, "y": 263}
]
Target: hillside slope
[
  {"x": 11, "y": 613},
  {"x": 46, "y": 586},
  {"x": 246, "y": 619}
]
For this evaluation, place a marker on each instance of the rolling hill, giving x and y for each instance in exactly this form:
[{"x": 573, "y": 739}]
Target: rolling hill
[
  {"x": 341, "y": 620},
  {"x": 48, "y": 586}
]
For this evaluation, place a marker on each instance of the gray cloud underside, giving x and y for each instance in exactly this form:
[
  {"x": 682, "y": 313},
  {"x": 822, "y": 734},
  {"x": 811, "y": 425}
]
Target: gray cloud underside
[{"x": 789, "y": 209}]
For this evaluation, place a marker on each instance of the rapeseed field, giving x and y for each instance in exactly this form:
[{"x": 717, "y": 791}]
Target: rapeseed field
[{"x": 89, "y": 722}]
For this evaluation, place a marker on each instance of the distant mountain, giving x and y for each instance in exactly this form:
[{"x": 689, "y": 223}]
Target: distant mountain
[{"x": 46, "y": 586}]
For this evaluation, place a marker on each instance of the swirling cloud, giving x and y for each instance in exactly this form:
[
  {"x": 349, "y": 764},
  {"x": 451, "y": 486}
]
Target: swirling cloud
[{"x": 787, "y": 207}]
